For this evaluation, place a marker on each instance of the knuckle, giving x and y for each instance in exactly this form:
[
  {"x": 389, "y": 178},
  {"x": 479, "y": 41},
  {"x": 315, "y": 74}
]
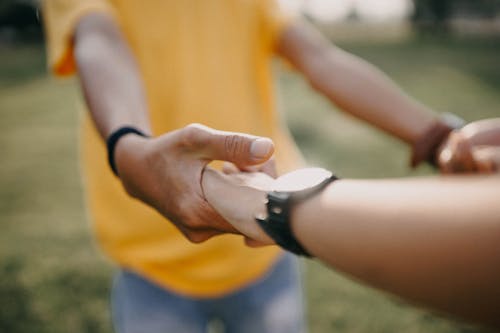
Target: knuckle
[
  {"x": 193, "y": 223},
  {"x": 196, "y": 237},
  {"x": 194, "y": 126},
  {"x": 193, "y": 136},
  {"x": 234, "y": 146}
]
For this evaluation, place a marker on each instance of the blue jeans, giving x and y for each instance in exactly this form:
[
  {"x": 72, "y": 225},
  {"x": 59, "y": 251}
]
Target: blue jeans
[{"x": 272, "y": 304}]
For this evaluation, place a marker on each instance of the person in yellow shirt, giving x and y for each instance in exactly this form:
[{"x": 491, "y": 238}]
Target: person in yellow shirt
[{"x": 149, "y": 71}]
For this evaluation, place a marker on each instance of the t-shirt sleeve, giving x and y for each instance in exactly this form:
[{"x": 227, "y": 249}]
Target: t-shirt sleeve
[
  {"x": 60, "y": 20},
  {"x": 275, "y": 20}
]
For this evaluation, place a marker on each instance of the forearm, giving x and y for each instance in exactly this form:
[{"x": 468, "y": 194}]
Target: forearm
[
  {"x": 165, "y": 171},
  {"x": 432, "y": 241},
  {"x": 354, "y": 85},
  {"x": 366, "y": 93},
  {"x": 109, "y": 76},
  {"x": 115, "y": 97}
]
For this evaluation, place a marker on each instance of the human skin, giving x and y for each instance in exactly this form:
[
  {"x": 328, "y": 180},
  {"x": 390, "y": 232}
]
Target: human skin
[
  {"x": 473, "y": 148},
  {"x": 356, "y": 86},
  {"x": 114, "y": 93},
  {"x": 368, "y": 94},
  {"x": 431, "y": 241},
  {"x": 163, "y": 172}
]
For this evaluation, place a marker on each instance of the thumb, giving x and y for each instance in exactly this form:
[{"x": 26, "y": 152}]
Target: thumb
[{"x": 238, "y": 148}]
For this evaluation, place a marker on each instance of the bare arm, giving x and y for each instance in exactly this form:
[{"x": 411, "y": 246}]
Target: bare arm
[
  {"x": 354, "y": 85},
  {"x": 432, "y": 241},
  {"x": 164, "y": 172},
  {"x": 110, "y": 79},
  {"x": 365, "y": 92}
]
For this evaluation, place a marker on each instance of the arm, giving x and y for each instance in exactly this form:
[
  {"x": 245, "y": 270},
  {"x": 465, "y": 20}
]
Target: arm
[
  {"x": 109, "y": 76},
  {"x": 164, "y": 172},
  {"x": 432, "y": 241},
  {"x": 365, "y": 92},
  {"x": 354, "y": 85}
]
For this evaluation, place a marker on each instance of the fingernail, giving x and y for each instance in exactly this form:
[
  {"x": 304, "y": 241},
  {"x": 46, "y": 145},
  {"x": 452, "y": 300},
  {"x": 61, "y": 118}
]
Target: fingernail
[{"x": 261, "y": 148}]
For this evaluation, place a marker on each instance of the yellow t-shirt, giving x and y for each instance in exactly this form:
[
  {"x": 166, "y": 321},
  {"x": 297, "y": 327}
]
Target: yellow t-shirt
[{"x": 204, "y": 61}]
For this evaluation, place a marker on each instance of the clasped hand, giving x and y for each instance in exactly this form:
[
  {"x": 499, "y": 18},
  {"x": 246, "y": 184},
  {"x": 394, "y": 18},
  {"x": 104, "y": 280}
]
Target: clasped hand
[
  {"x": 239, "y": 196},
  {"x": 473, "y": 148},
  {"x": 166, "y": 173}
]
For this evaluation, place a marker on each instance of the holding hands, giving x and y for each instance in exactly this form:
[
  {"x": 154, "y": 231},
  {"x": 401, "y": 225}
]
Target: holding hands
[
  {"x": 240, "y": 196},
  {"x": 170, "y": 174},
  {"x": 473, "y": 148},
  {"x": 165, "y": 172},
  {"x": 421, "y": 239},
  {"x": 261, "y": 207}
]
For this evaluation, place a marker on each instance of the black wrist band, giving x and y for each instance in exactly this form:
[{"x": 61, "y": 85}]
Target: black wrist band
[
  {"x": 279, "y": 206},
  {"x": 113, "y": 140}
]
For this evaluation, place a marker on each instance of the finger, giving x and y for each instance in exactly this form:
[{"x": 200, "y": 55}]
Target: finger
[
  {"x": 199, "y": 235},
  {"x": 254, "y": 243},
  {"x": 445, "y": 160},
  {"x": 204, "y": 223},
  {"x": 448, "y": 155},
  {"x": 268, "y": 167},
  {"x": 487, "y": 159},
  {"x": 238, "y": 148},
  {"x": 457, "y": 157},
  {"x": 485, "y": 166},
  {"x": 229, "y": 168},
  {"x": 463, "y": 160},
  {"x": 445, "y": 154},
  {"x": 483, "y": 132}
]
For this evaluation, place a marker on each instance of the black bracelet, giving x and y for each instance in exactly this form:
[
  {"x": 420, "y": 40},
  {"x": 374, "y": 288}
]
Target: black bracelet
[{"x": 113, "y": 140}]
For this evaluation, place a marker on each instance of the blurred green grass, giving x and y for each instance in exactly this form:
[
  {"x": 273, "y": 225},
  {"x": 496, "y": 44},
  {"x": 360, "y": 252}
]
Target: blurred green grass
[
  {"x": 52, "y": 276},
  {"x": 52, "y": 279}
]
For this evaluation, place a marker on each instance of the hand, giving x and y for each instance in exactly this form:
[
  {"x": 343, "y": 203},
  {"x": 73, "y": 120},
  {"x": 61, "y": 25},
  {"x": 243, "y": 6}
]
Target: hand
[
  {"x": 239, "y": 197},
  {"x": 165, "y": 173},
  {"x": 473, "y": 148},
  {"x": 269, "y": 168}
]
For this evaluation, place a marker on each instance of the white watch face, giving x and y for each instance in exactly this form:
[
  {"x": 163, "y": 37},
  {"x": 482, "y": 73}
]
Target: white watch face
[{"x": 301, "y": 179}]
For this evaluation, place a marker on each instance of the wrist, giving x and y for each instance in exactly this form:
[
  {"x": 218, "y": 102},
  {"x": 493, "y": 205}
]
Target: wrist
[
  {"x": 429, "y": 144},
  {"x": 131, "y": 160},
  {"x": 119, "y": 138},
  {"x": 291, "y": 190}
]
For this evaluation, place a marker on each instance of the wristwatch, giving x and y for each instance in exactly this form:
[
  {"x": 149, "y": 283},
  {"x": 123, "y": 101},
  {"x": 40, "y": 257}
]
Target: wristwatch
[{"x": 291, "y": 189}]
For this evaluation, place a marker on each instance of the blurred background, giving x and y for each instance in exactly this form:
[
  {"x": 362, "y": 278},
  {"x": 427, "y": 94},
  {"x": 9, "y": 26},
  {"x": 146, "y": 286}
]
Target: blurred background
[{"x": 52, "y": 276}]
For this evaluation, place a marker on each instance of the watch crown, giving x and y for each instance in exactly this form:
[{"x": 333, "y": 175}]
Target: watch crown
[{"x": 277, "y": 210}]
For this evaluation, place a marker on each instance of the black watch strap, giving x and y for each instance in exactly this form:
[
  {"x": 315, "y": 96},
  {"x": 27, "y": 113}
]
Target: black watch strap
[{"x": 277, "y": 222}]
